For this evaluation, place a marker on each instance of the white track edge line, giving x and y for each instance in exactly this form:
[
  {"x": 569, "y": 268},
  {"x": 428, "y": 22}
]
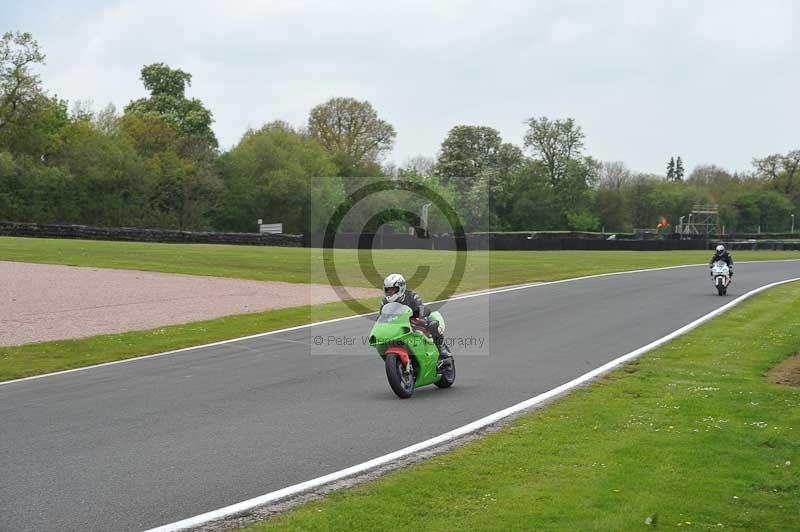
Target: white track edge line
[
  {"x": 334, "y": 320},
  {"x": 273, "y": 496}
]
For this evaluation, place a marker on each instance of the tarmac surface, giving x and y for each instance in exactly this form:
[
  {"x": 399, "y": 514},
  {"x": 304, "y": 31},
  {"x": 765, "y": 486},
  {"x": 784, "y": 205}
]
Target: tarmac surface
[{"x": 139, "y": 444}]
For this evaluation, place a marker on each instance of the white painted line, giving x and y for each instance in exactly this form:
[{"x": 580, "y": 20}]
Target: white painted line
[
  {"x": 307, "y": 325},
  {"x": 244, "y": 506}
]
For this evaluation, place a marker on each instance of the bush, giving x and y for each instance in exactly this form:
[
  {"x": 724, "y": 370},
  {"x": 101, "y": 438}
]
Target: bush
[{"x": 582, "y": 221}]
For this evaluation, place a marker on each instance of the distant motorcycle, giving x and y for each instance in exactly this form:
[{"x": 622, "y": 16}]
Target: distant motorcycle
[{"x": 721, "y": 275}]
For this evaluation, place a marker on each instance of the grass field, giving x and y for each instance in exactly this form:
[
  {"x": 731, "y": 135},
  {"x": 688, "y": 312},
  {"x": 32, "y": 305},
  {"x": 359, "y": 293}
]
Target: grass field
[
  {"x": 302, "y": 265},
  {"x": 690, "y": 436},
  {"x": 483, "y": 270}
]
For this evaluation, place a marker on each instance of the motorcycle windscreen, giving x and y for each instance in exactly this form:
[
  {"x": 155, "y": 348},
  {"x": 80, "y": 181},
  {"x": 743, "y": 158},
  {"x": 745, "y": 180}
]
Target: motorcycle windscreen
[
  {"x": 392, "y": 311},
  {"x": 720, "y": 266}
]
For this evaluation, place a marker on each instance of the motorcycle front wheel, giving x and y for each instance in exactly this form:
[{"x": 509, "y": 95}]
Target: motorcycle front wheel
[{"x": 401, "y": 380}]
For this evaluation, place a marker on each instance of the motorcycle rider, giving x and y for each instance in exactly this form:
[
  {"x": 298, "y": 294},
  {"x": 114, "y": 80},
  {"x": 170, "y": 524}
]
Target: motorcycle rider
[
  {"x": 722, "y": 254},
  {"x": 395, "y": 291}
]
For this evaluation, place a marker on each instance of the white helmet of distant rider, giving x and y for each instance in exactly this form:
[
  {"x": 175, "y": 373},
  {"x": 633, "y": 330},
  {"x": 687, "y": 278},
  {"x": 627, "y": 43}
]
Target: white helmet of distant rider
[
  {"x": 720, "y": 248},
  {"x": 394, "y": 286}
]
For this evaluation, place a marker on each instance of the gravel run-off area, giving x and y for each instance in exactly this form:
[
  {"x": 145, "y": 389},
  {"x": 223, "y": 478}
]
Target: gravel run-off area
[{"x": 43, "y": 302}]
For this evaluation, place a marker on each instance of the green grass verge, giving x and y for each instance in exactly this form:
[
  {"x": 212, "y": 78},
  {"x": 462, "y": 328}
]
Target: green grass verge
[
  {"x": 302, "y": 265},
  {"x": 690, "y": 436}
]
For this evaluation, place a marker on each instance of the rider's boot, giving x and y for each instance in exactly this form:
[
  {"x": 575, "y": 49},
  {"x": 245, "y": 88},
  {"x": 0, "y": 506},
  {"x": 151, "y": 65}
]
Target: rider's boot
[{"x": 445, "y": 356}]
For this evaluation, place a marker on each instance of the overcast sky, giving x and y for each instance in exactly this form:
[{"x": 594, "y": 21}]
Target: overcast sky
[{"x": 714, "y": 82}]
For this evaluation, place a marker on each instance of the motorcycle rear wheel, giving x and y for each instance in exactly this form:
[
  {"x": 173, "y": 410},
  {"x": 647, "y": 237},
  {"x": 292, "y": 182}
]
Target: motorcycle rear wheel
[{"x": 402, "y": 382}]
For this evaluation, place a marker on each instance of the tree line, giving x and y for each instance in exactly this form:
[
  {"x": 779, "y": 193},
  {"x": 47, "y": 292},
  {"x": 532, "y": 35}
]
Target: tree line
[{"x": 157, "y": 163}]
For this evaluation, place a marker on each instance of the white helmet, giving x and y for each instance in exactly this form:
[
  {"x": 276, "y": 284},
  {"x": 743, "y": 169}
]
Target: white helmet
[
  {"x": 720, "y": 248},
  {"x": 394, "y": 286}
]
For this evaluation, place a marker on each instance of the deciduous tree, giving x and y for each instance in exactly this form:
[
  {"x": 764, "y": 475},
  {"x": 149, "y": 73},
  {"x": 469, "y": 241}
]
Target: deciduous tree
[
  {"x": 555, "y": 142},
  {"x": 782, "y": 170},
  {"x": 21, "y": 95},
  {"x": 614, "y": 174},
  {"x": 167, "y": 100},
  {"x": 352, "y": 132},
  {"x": 280, "y": 176},
  {"x": 465, "y": 153}
]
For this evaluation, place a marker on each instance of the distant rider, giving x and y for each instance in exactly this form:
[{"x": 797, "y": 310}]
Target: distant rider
[
  {"x": 395, "y": 291},
  {"x": 722, "y": 254}
]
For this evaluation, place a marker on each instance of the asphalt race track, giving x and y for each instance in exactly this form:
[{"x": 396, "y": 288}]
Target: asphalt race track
[{"x": 144, "y": 443}]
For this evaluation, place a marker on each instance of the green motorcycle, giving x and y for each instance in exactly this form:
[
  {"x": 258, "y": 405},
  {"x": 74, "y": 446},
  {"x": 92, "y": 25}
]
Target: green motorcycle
[{"x": 409, "y": 353}]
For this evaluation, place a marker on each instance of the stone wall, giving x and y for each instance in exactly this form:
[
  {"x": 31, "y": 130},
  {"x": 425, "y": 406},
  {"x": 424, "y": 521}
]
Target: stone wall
[{"x": 135, "y": 234}]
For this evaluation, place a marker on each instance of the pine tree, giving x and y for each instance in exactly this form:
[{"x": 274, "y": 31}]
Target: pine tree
[
  {"x": 671, "y": 169},
  {"x": 679, "y": 169}
]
